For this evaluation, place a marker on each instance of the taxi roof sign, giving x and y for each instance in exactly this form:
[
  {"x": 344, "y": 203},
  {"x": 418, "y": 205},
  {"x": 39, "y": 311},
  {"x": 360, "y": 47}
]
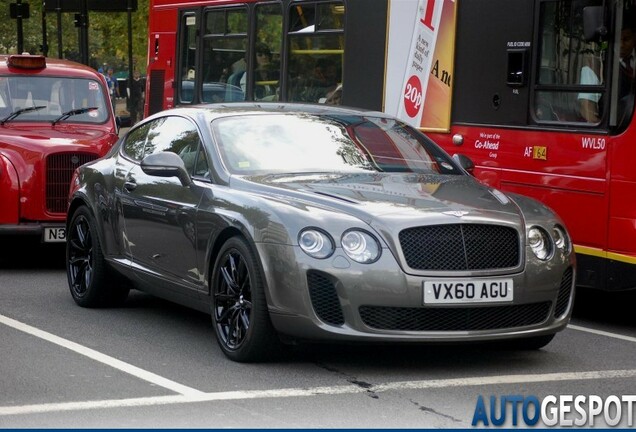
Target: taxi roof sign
[{"x": 26, "y": 61}]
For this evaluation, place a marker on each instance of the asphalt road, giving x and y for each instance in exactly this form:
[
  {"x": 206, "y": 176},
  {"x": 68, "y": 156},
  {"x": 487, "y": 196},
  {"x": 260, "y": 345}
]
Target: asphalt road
[{"x": 152, "y": 364}]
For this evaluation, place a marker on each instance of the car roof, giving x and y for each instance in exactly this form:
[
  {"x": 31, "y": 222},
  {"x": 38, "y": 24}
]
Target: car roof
[
  {"x": 217, "y": 110},
  {"x": 54, "y": 67}
]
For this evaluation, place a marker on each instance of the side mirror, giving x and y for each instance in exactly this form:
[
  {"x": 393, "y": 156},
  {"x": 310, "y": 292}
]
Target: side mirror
[
  {"x": 594, "y": 28},
  {"x": 465, "y": 162},
  {"x": 166, "y": 164}
]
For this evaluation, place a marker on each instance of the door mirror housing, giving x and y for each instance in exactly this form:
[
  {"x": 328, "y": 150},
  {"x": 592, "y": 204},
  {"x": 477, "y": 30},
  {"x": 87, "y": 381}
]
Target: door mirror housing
[
  {"x": 166, "y": 164},
  {"x": 594, "y": 28}
]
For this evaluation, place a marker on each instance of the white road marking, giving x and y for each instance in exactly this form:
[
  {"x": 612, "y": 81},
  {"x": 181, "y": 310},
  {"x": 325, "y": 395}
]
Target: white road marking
[
  {"x": 190, "y": 395},
  {"x": 102, "y": 358},
  {"x": 307, "y": 392},
  {"x": 602, "y": 333}
]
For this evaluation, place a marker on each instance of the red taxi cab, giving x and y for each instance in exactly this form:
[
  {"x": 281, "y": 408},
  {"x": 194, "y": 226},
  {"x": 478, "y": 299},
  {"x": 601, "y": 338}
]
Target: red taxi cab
[{"x": 55, "y": 115}]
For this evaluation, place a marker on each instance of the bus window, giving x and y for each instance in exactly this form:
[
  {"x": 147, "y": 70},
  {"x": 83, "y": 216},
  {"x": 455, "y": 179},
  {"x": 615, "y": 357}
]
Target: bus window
[
  {"x": 188, "y": 58},
  {"x": 224, "y": 48},
  {"x": 266, "y": 61},
  {"x": 624, "y": 67},
  {"x": 572, "y": 71},
  {"x": 316, "y": 37}
]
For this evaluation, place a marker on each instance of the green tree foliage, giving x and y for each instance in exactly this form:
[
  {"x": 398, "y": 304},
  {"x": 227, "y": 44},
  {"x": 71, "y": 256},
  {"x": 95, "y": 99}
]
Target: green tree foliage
[{"x": 107, "y": 35}]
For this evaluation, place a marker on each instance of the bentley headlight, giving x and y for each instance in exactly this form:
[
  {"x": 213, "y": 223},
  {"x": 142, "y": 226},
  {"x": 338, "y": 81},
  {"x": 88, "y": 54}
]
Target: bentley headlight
[
  {"x": 315, "y": 243},
  {"x": 360, "y": 246},
  {"x": 561, "y": 240},
  {"x": 540, "y": 243}
]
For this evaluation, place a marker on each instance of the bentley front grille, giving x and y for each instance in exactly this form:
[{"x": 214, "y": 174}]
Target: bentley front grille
[
  {"x": 460, "y": 247},
  {"x": 59, "y": 170}
]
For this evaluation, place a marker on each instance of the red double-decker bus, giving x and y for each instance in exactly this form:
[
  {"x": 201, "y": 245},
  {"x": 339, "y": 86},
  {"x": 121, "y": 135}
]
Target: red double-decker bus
[{"x": 538, "y": 93}]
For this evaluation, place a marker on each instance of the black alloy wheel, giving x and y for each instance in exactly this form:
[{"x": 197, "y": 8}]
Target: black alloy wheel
[
  {"x": 239, "y": 310},
  {"x": 80, "y": 256},
  {"x": 90, "y": 280},
  {"x": 233, "y": 300}
]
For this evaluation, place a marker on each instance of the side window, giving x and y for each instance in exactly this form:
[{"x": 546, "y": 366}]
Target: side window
[
  {"x": 136, "y": 142},
  {"x": 188, "y": 58},
  {"x": 266, "y": 62},
  {"x": 624, "y": 65},
  {"x": 570, "y": 83},
  {"x": 316, "y": 35},
  {"x": 180, "y": 136},
  {"x": 224, "y": 51}
]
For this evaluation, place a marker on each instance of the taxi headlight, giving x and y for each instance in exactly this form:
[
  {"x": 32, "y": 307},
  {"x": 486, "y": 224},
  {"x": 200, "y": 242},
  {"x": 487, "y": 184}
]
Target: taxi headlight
[
  {"x": 315, "y": 243},
  {"x": 540, "y": 243},
  {"x": 360, "y": 246}
]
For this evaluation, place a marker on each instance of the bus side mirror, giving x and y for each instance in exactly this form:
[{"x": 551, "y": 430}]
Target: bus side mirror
[{"x": 594, "y": 28}]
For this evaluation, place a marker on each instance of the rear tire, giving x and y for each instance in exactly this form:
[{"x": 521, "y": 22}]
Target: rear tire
[
  {"x": 92, "y": 283},
  {"x": 239, "y": 308}
]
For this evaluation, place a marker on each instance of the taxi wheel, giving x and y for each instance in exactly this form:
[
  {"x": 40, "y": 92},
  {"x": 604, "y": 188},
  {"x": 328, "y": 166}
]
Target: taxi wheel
[
  {"x": 239, "y": 309},
  {"x": 91, "y": 282}
]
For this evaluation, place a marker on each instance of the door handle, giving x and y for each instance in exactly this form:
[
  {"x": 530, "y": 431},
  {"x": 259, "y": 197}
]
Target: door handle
[{"x": 130, "y": 186}]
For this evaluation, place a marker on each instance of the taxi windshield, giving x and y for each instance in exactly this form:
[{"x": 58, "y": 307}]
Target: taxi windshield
[{"x": 49, "y": 99}]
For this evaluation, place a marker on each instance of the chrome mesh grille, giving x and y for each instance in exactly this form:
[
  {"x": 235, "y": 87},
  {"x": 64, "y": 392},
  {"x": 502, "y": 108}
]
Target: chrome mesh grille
[
  {"x": 324, "y": 299},
  {"x": 460, "y": 247},
  {"x": 59, "y": 170},
  {"x": 454, "y": 318},
  {"x": 563, "y": 299}
]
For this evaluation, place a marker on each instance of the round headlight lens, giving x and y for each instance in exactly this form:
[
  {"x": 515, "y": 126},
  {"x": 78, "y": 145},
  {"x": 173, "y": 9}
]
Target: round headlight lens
[
  {"x": 360, "y": 246},
  {"x": 540, "y": 243},
  {"x": 561, "y": 240},
  {"x": 315, "y": 243}
]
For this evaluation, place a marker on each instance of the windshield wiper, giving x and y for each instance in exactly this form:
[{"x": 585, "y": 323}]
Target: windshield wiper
[
  {"x": 16, "y": 113},
  {"x": 73, "y": 112}
]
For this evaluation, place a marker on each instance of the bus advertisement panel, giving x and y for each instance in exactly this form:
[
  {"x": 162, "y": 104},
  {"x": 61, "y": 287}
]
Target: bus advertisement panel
[{"x": 419, "y": 81}]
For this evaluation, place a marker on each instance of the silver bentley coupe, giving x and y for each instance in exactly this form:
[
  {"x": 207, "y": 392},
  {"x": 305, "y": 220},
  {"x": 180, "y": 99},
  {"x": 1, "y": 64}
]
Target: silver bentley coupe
[{"x": 289, "y": 222}]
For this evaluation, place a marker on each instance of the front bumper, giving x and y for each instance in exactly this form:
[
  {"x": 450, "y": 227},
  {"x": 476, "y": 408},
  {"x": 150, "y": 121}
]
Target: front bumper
[
  {"x": 49, "y": 232},
  {"x": 337, "y": 299}
]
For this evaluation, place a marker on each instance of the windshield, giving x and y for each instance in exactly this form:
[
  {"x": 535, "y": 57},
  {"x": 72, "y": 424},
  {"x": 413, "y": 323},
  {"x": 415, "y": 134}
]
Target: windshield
[
  {"x": 291, "y": 143},
  {"x": 54, "y": 97}
]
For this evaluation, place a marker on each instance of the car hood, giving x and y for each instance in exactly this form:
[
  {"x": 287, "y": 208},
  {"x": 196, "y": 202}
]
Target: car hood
[
  {"x": 389, "y": 197},
  {"x": 39, "y": 139}
]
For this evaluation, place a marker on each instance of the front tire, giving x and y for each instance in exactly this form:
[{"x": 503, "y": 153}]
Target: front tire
[
  {"x": 239, "y": 309},
  {"x": 91, "y": 282}
]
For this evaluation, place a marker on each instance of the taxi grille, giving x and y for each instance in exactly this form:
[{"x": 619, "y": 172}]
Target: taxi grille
[
  {"x": 454, "y": 318},
  {"x": 460, "y": 247},
  {"x": 59, "y": 170}
]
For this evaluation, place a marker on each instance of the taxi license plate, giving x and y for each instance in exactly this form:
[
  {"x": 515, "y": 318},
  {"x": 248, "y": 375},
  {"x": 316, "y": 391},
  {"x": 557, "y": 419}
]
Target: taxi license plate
[
  {"x": 54, "y": 234},
  {"x": 468, "y": 291}
]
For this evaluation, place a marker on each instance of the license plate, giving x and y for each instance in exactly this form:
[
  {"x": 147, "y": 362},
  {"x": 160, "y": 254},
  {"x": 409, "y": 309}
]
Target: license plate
[
  {"x": 52, "y": 235},
  {"x": 468, "y": 291}
]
